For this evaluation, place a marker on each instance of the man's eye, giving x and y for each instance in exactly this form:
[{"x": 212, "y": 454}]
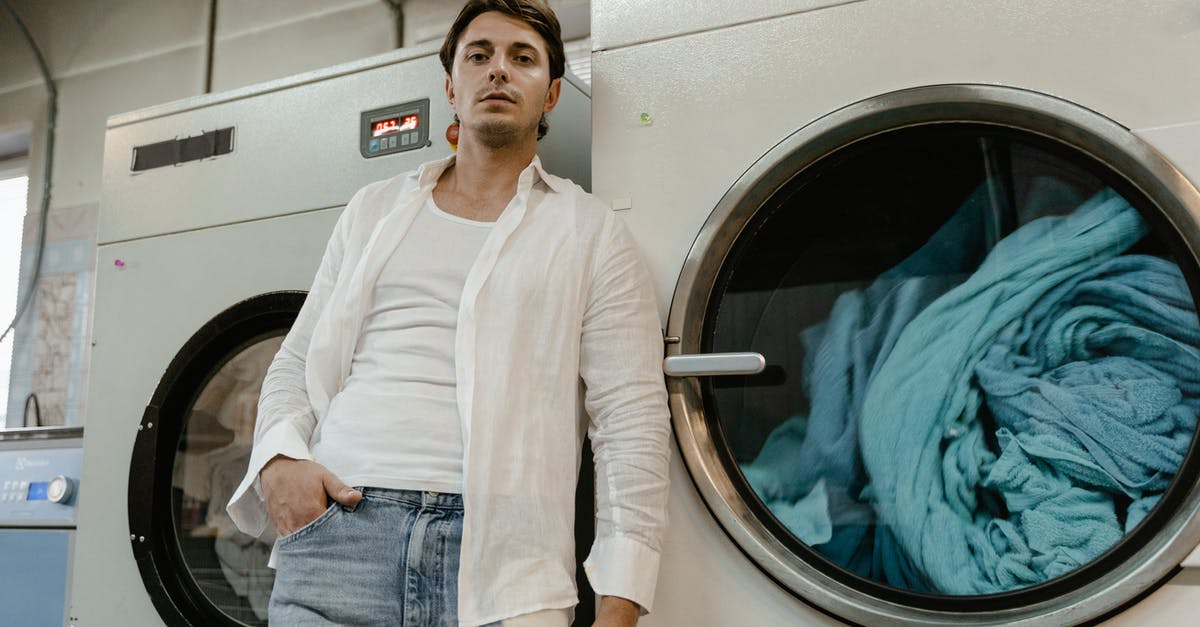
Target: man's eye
[
  {"x": 524, "y": 59},
  {"x": 476, "y": 56}
]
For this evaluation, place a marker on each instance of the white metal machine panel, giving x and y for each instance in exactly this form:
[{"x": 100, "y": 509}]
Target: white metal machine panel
[
  {"x": 699, "y": 91},
  {"x": 283, "y": 128},
  {"x": 178, "y": 271},
  {"x": 681, "y": 112},
  {"x": 628, "y": 22}
]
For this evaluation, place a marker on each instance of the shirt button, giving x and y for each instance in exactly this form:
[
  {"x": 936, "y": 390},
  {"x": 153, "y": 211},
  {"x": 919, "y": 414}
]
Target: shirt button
[{"x": 431, "y": 494}]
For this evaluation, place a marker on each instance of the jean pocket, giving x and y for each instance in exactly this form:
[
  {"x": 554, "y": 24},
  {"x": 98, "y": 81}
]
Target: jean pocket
[{"x": 311, "y": 525}]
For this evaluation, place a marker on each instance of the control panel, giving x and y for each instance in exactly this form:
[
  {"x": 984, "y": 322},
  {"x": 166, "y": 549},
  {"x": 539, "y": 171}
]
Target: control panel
[
  {"x": 39, "y": 486},
  {"x": 395, "y": 128}
]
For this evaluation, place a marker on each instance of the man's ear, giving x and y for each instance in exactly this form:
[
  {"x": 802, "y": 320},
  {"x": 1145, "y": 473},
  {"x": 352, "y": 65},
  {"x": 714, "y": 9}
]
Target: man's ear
[
  {"x": 449, "y": 91},
  {"x": 552, "y": 95}
]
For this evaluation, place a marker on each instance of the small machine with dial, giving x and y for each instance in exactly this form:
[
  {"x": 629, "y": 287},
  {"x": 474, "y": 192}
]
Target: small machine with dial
[{"x": 39, "y": 470}]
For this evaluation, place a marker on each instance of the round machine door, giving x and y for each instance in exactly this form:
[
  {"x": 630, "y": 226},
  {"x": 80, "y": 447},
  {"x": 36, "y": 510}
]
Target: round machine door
[
  {"x": 976, "y": 307},
  {"x": 192, "y": 450}
]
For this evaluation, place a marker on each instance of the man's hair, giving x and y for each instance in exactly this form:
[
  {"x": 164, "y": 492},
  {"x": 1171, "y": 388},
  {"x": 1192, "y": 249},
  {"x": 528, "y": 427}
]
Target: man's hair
[{"x": 535, "y": 13}]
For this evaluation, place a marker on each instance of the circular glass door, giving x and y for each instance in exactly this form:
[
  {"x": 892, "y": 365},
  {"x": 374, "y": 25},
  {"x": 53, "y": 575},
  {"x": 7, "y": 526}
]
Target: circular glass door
[
  {"x": 982, "y": 356},
  {"x": 229, "y": 567},
  {"x": 192, "y": 450}
]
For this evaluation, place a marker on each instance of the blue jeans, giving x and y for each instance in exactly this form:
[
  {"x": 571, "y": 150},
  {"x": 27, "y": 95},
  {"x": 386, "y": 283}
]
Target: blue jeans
[{"x": 392, "y": 560}]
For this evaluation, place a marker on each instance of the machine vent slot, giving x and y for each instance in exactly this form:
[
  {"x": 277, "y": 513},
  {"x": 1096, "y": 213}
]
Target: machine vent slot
[{"x": 177, "y": 151}]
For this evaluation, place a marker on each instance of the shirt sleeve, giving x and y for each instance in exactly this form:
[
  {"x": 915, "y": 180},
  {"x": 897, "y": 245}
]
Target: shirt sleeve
[
  {"x": 285, "y": 420},
  {"x": 621, "y": 365}
]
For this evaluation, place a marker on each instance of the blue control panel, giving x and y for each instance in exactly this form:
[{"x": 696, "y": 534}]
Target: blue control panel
[{"x": 39, "y": 486}]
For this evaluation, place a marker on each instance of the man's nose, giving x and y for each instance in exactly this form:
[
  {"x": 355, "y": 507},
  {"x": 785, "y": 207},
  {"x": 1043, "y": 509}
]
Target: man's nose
[{"x": 498, "y": 70}]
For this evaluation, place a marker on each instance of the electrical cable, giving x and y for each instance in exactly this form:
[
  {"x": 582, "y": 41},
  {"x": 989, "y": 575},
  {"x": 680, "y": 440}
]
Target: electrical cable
[{"x": 51, "y": 116}]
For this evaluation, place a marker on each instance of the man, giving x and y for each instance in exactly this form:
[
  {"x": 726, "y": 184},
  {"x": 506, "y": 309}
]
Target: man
[{"x": 437, "y": 366}]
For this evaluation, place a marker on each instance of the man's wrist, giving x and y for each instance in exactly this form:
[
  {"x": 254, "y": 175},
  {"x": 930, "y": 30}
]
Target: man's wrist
[{"x": 618, "y": 607}]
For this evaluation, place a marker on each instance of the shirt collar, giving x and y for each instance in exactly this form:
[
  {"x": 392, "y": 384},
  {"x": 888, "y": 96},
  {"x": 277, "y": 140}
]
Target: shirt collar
[{"x": 429, "y": 173}]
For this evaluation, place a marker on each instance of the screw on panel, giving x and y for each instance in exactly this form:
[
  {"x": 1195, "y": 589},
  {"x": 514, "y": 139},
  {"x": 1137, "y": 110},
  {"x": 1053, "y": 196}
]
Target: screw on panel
[
  {"x": 132, "y": 537},
  {"x": 141, "y": 538}
]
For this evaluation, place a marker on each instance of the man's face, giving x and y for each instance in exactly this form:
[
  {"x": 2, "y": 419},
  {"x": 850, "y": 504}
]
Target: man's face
[{"x": 500, "y": 81}]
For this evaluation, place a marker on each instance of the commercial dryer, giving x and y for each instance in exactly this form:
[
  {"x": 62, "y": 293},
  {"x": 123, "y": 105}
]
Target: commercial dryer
[
  {"x": 963, "y": 239},
  {"x": 214, "y": 215}
]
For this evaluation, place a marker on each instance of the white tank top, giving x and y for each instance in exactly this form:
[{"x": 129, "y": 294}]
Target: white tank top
[{"x": 395, "y": 423}]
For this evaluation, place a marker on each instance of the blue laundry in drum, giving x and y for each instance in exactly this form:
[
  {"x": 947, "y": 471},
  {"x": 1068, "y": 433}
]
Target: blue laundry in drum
[
  {"x": 808, "y": 472},
  {"x": 1101, "y": 377},
  {"x": 1088, "y": 364}
]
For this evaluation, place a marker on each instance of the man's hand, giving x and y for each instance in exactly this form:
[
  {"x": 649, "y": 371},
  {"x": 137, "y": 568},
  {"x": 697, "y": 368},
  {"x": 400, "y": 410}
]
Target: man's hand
[
  {"x": 295, "y": 491},
  {"x": 617, "y": 612}
]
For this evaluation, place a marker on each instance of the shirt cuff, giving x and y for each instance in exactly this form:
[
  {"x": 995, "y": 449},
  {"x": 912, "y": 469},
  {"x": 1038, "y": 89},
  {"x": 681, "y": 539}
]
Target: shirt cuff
[
  {"x": 246, "y": 507},
  {"x": 624, "y": 567}
]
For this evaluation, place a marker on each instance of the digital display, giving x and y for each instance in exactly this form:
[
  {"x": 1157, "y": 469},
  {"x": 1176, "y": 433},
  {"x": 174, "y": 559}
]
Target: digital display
[
  {"x": 396, "y": 124},
  {"x": 37, "y": 490}
]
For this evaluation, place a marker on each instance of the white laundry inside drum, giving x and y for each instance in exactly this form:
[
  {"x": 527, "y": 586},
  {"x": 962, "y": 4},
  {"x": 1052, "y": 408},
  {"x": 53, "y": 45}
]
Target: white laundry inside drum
[
  {"x": 229, "y": 567},
  {"x": 983, "y": 361}
]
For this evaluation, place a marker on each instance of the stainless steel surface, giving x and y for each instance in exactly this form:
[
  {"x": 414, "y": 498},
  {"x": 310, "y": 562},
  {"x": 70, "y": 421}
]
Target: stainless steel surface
[
  {"x": 713, "y": 364},
  {"x": 1071, "y": 125}
]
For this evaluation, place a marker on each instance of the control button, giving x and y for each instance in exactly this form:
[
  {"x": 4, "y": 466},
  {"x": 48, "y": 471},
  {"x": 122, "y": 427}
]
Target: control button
[
  {"x": 24, "y": 485},
  {"x": 404, "y": 139},
  {"x": 8, "y": 485},
  {"x": 412, "y": 137},
  {"x": 392, "y": 142},
  {"x": 374, "y": 146},
  {"x": 60, "y": 490}
]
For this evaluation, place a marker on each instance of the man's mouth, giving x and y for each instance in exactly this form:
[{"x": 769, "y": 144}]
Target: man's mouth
[{"x": 498, "y": 95}]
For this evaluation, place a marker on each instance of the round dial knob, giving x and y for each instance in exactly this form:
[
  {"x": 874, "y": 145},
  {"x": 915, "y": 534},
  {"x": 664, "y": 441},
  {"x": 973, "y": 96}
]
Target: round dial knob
[{"x": 60, "y": 490}]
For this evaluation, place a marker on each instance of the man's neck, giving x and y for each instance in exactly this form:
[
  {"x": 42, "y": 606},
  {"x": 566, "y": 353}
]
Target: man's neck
[
  {"x": 481, "y": 170},
  {"x": 482, "y": 180}
]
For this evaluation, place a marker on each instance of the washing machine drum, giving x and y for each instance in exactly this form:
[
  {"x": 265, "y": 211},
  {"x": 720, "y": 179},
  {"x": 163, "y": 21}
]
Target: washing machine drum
[{"x": 977, "y": 309}]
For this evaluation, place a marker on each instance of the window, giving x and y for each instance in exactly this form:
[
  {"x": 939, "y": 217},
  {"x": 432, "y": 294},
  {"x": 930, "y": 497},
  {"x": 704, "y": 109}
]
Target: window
[{"x": 14, "y": 184}]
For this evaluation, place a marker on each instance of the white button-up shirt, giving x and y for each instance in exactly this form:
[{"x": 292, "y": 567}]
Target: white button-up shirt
[{"x": 557, "y": 309}]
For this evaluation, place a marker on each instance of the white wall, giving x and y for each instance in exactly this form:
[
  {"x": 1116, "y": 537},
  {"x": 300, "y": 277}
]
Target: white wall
[{"x": 114, "y": 56}]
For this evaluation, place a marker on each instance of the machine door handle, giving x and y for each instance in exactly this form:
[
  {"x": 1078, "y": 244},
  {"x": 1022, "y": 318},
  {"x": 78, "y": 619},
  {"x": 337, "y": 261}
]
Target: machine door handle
[{"x": 710, "y": 364}]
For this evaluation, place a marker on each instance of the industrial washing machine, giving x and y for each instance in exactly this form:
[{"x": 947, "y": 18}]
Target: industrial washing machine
[
  {"x": 214, "y": 215},
  {"x": 889, "y": 240}
]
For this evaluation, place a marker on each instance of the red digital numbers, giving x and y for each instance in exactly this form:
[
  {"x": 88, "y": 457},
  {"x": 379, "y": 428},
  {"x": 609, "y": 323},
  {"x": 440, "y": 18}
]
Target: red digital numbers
[
  {"x": 395, "y": 125},
  {"x": 383, "y": 127}
]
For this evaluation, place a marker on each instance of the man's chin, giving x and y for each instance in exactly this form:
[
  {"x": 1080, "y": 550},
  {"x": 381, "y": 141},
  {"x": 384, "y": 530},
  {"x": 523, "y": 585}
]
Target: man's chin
[{"x": 496, "y": 134}]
